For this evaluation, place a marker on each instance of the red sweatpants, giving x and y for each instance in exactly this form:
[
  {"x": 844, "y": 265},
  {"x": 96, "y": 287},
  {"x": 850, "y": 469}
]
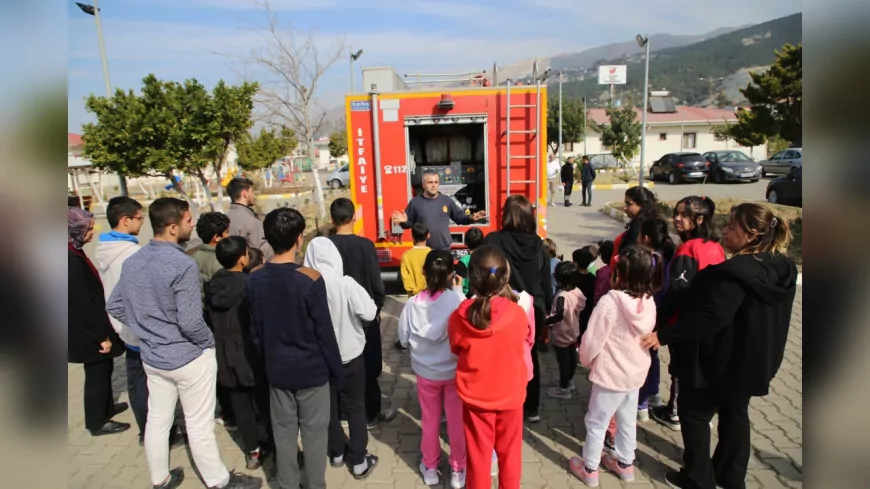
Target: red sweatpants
[{"x": 485, "y": 430}]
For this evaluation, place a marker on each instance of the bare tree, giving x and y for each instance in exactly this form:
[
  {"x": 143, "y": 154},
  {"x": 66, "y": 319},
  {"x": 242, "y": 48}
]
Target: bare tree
[{"x": 294, "y": 65}]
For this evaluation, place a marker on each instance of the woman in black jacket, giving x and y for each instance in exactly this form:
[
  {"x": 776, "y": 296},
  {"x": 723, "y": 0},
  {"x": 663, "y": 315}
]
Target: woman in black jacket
[
  {"x": 530, "y": 273},
  {"x": 731, "y": 337},
  {"x": 92, "y": 341}
]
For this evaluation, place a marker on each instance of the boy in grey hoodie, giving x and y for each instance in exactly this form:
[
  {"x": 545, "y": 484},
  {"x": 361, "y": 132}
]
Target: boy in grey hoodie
[
  {"x": 125, "y": 218},
  {"x": 349, "y": 305}
]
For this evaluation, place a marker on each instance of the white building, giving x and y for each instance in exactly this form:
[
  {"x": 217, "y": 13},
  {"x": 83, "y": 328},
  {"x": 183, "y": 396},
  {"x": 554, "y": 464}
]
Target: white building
[{"x": 685, "y": 129}]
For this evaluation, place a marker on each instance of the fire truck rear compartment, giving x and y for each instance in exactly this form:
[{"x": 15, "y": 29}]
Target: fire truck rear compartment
[{"x": 458, "y": 153}]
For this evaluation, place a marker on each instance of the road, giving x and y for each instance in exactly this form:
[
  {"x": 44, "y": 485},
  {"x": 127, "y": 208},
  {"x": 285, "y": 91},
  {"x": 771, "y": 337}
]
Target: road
[
  {"x": 664, "y": 191},
  {"x": 777, "y": 420}
]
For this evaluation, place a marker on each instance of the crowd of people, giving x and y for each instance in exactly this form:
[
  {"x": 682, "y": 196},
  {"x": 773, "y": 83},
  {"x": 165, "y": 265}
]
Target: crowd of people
[{"x": 292, "y": 352}]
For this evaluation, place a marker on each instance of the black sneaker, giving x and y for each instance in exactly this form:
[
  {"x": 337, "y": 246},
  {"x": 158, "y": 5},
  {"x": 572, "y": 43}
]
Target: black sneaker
[
  {"x": 665, "y": 417},
  {"x": 371, "y": 462},
  {"x": 242, "y": 481},
  {"x": 678, "y": 480},
  {"x": 398, "y": 345},
  {"x": 176, "y": 477},
  {"x": 254, "y": 459},
  {"x": 383, "y": 417}
]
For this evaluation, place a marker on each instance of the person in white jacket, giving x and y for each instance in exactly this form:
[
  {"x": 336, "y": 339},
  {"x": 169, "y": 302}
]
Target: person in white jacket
[
  {"x": 350, "y": 306},
  {"x": 125, "y": 217},
  {"x": 423, "y": 327}
]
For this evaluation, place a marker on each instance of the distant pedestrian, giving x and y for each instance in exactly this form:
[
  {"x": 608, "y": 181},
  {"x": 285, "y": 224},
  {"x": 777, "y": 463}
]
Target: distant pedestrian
[
  {"x": 553, "y": 180},
  {"x": 587, "y": 176},
  {"x": 567, "y": 177}
]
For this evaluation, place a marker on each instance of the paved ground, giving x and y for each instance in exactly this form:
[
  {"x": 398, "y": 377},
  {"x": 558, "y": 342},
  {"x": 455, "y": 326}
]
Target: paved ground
[{"x": 777, "y": 426}]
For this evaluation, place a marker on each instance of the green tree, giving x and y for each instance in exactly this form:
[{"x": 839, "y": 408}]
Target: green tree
[
  {"x": 337, "y": 144},
  {"x": 775, "y": 97},
  {"x": 169, "y": 127},
  {"x": 261, "y": 151},
  {"x": 741, "y": 133},
  {"x": 622, "y": 134},
  {"x": 572, "y": 122}
]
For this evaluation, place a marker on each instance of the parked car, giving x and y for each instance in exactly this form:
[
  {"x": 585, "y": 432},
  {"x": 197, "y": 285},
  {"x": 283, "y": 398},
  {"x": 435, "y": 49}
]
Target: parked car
[
  {"x": 339, "y": 178},
  {"x": 782, "y": 162},
  {"x": 732, "y": 166},
  {"x": 787, "y": 190},
  {"x": 677, "y": 167},
  {"x": 603, "y": 160}
]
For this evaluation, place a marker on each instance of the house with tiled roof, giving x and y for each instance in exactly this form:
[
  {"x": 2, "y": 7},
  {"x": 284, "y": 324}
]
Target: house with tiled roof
[{"x": 670, "y": 128}]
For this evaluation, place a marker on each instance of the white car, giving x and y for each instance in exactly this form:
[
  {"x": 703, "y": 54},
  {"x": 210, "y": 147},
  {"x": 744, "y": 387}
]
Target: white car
[{"x": 339, "y": 178}]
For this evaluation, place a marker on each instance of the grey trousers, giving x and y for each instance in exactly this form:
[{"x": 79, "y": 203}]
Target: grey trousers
[{"x": 306, "y": 410}]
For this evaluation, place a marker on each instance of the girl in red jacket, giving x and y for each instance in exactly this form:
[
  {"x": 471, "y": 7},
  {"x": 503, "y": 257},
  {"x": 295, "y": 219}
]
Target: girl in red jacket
[
  {"x": 489, "y": 335},
  {"x": 693, "y": 220}
]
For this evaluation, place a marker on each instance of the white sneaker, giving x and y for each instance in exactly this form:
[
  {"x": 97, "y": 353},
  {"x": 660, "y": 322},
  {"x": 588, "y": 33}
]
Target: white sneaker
[
  {"x": 457, "y": 479},
  {"x": 643, "y": 415},
  {"x": 430, "y": 476},
  {"x": 493, "y": 470}
]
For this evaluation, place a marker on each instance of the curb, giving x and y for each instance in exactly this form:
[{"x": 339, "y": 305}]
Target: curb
[
  {"x": 616, "y": 186},
  {"x": 619, "y": 215}
]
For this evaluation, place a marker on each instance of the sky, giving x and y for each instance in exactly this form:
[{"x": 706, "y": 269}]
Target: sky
[{"x": 210, "y": 39}]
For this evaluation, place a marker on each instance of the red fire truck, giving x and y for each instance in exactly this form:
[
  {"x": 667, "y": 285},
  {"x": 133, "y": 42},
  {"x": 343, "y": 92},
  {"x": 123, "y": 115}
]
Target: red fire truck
[{"x": 486, "y": 141}]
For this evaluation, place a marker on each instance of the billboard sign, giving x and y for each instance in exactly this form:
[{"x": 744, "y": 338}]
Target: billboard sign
[{"x": 611, "y": 75}]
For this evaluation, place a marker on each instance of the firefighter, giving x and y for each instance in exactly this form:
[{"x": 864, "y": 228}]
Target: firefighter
[{"x": 435, "y": 210}]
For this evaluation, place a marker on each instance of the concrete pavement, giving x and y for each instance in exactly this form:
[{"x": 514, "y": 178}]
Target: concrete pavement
[{"x": 118, "y": 461}]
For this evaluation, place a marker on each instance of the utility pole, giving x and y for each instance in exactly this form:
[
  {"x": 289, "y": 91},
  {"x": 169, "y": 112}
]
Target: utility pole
[
  {"x": 95, "y": 11},
  {"x": 560, "y": 117},
  {"x": 643, "y": 41},
  {"x": 584, "y": 126}
]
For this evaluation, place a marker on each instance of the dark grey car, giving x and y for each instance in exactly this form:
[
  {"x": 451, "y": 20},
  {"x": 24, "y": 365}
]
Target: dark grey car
[{"x": 732, "y": 166}]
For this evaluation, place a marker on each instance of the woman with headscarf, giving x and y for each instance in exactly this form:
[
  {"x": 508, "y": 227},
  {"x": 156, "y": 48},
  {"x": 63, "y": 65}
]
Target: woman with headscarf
[{"x": 92, "y": 340}]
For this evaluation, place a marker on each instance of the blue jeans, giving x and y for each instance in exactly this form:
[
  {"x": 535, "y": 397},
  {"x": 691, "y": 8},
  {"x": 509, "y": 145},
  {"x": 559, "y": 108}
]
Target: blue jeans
[{"x": 653, "y": 378}]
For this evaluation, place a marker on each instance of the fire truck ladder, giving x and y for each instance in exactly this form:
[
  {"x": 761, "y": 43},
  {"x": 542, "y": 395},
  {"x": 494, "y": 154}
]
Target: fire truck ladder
[{"x": 532, "y": 134}]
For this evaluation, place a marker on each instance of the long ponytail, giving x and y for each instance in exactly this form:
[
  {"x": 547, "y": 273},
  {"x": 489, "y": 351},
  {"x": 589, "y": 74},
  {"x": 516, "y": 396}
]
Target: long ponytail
[{"x": 489, "y": 275}]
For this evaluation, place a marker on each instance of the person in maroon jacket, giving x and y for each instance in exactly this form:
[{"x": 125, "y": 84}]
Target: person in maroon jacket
[{"x": 700, "y": 248}]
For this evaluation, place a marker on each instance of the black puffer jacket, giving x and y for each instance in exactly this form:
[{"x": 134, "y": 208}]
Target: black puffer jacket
[
  {"x": 530, "y": 266},
  {"x": 226, "y": 299},
  {"x": 733, "y": 328}
]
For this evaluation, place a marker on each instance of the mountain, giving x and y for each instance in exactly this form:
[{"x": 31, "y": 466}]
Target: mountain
[{"x": 694, "y": 72}]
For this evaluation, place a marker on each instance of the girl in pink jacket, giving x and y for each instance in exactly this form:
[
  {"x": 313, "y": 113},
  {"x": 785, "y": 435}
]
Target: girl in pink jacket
[{"x": 611, "y": 349}]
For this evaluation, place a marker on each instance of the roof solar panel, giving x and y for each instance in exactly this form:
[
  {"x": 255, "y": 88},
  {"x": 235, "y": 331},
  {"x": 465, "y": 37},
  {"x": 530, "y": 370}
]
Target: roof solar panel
[{"x": 656, "y": 105}]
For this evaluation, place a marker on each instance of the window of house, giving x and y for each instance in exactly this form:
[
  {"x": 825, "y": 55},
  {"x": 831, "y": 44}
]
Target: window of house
[
  {"x": 663, "y": 136},
  {"x": 568, "y": 146},
  {"x": 689, "y": 140}
]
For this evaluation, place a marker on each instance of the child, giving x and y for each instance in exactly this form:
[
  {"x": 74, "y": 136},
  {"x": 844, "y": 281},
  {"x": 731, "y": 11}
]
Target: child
[
  {"x": 655, "y": 235},
  {"x": 349, "y": 305},
  {"x": 564, "y": 322},
  {"x": 492, "y": 339},
  {"x": 412, "y": 261},
  {"x": 611, "y": 349},
  {"x": 255, "y": 259},
  {"x": 423, "y": 326},
  {"x": 550, "y": 248},
  {"x": 640, "y": 203},
  {"x": 473, "y": 240},
  {"x": 584, "y": 257},
  {"x": 602, "y": 275},
  {"x": 239, "y": 371},
  {"x": 693, "y": 220}
]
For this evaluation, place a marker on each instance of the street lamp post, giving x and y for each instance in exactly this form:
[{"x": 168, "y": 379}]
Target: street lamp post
[
  {"x": 353, "y": 57},
  {"x": 95, "y": 11},
  {"x": 643, "y": 42},
  {"x": 560, "y": 118},
  {"x": 584, "y": 126}
]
